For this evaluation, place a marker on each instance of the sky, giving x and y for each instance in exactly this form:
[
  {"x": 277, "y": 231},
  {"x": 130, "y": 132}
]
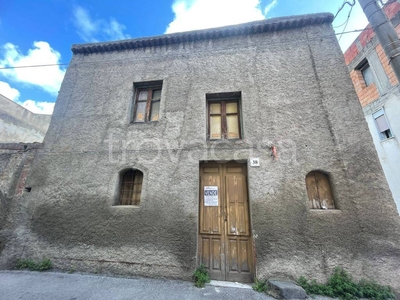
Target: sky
[{"x": 41, "y": 32}]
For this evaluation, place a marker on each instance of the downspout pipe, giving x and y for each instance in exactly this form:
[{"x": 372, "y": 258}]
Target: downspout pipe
[{"x": 385, "y": 33}]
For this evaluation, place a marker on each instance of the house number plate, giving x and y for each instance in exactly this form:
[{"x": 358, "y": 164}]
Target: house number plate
[{"x": 254, "y": 162}]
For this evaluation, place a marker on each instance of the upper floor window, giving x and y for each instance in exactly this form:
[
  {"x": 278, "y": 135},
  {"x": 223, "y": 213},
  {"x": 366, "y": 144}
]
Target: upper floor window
[
  {"x": 147, "y": 102},
  {"x": 319, "y": 191},
  {"x": 382, "y": 125},
  {"x": 366, "y": 72},
  {"x": 131, "y": 187},
  {"x": 223, "y": 116}
]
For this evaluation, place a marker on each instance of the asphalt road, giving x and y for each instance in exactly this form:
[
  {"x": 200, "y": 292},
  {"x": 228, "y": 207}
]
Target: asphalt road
[{"x": 61, "y": 286}]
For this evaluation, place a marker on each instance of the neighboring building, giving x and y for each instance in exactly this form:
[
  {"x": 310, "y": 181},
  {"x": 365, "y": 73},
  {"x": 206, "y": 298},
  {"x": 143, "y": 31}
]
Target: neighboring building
[
  {"x": 243, "y": 148},
  {"x": 17, "y": 124},
  {"x": 378, "y": 91}
]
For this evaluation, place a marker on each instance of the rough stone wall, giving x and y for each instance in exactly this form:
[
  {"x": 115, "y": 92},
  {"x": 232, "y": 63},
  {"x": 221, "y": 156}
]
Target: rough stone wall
[
  {"x": 296, "y": 95},
  {"x": 17, "y": 124},
  {"x": 15, "y": 163}
]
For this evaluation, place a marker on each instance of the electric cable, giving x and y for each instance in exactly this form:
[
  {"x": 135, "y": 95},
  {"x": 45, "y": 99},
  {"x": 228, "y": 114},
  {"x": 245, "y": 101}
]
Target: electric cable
[
  {"x": 343, "y": 5},
  {"x": 347, "y": 22},
  {"x": 340, "y": 24},
  {"x": 32, "y": 66},
  {"x": 106, "y": 60}
]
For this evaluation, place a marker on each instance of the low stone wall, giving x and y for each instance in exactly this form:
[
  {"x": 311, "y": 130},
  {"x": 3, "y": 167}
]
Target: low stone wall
[
  {"x": 19, "y": 124},
  {"x": 15, "y": 163}
]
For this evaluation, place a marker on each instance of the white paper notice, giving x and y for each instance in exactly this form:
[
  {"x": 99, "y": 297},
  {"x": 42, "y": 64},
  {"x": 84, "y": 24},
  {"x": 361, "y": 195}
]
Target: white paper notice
[{"x": 211, "y": 196}]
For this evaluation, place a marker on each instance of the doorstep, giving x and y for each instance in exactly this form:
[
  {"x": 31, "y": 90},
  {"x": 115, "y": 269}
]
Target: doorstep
[{"x": 230, "y": 284}]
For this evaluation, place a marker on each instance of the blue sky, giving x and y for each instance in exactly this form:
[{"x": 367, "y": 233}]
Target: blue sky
[{"x": 42, "y": 31}]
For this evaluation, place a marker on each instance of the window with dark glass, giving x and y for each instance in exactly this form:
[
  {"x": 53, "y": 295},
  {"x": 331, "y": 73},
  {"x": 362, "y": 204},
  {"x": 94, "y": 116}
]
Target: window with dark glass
[
  {"x": 131, "y": 187},
  {"x": 147, "y": 103},
  {"x": 366, "y": 72},
  {"x": 367, "y": 75},
  {"x": 223, "y": 116}
]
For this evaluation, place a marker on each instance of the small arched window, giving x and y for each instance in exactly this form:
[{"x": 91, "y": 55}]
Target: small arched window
[
  {"x": 319, "y": 191},
  {"x": 131, "y": 187}
]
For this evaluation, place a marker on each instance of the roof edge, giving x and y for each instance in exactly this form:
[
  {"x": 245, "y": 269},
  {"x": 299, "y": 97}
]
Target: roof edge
[{"x": 268, "y": 25}]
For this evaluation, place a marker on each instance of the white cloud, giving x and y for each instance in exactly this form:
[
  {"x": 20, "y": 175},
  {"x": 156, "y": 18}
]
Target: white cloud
[
  {"x": 270, "y": 6},
  {"x": 9, "y": 92},
  {"x": 94, "y": 30},
  {"x": 38, "y": 107},
  {"x": 86, "y": 27},
  {"x": 34, "y": 106},
  {"x": 200, "y": 14},
  {"x": 115, "y": 30},
  {"x": 47, "y": 78}
]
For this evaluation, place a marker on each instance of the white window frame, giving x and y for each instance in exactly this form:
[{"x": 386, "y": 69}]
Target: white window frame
[{"x": 377, "y": 114}]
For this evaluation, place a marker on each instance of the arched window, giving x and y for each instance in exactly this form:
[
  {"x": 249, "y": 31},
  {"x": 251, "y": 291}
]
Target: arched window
[
  {"x": 131, "y": 187},
  {"x": 319, "y": 191}
]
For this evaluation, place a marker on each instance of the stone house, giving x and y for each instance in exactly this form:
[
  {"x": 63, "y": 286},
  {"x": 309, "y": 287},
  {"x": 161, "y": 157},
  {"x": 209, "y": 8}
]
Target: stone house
[
  {"x": 243, "y": 148},
  {"x": 378, "y": 91}
]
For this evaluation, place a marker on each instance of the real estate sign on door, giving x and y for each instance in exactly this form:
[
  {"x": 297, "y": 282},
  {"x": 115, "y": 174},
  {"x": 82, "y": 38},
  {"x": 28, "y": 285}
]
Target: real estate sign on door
[{"x": 211, "y": 196}]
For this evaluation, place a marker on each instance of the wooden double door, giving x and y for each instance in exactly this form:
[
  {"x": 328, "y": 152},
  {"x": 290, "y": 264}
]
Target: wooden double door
[{"x": 225, "y": 243}]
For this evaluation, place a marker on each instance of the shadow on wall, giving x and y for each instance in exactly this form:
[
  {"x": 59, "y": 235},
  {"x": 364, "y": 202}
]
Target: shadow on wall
[{"x": 76, "y": 219}]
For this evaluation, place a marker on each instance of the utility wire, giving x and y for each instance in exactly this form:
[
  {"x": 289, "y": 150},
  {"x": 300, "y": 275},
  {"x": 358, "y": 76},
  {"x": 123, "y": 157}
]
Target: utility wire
[
  {"x": 340, "y": 24},
  {"x": 352, "y": 31},
  {"x": 343, "y": 5},
  {"x": 32, "y": 66},
  {"x": 347, "y": 22},
  {"x": 343, "y": 32},
  {"x": 52, "y": 65}
]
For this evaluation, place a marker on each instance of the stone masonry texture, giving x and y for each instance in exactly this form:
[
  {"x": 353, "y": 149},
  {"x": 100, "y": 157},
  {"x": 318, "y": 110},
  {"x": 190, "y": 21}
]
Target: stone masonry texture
[{"x": 296, "y": 94}]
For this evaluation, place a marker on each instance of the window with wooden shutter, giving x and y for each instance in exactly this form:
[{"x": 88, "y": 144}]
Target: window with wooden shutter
[
  {"x": 223, "y": 116},
  {"x": 147, "y": 102},
  {"x": 319, "y": 191},
  {"x": 131, "y": 187}
]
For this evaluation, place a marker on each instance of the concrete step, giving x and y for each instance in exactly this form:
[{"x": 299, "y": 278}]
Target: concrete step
[{"x": 286, "y": 290}]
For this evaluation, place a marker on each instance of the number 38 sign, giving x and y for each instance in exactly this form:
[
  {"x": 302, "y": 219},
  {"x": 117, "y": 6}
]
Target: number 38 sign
[{"x": 211, "y": 196}]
